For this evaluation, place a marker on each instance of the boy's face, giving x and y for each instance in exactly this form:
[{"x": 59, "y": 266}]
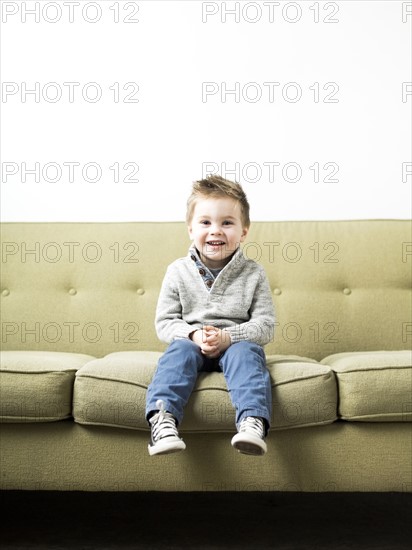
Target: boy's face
[{"x": 216, "y": 229}]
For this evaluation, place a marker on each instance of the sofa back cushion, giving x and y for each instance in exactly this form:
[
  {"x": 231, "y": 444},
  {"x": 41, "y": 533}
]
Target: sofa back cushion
[{"x": 92, "y": 288}]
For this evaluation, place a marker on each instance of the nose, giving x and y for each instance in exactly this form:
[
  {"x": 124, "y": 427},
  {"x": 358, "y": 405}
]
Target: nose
[{"x": 215, "y": 229}]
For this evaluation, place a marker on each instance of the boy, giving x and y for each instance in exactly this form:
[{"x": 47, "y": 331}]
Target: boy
[{"x": 215, "y": 310}]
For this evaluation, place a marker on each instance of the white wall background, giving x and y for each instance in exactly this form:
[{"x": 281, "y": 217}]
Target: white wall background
[{"x": 318, "y": 126}]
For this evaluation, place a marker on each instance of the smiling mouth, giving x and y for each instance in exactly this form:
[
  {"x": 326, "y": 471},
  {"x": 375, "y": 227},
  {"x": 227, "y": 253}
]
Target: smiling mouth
[{"x": 215, "y": 243}]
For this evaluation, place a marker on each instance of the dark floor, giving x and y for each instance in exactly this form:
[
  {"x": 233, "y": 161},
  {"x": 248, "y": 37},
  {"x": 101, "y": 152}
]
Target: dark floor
[{"x": 286, "y": 521}]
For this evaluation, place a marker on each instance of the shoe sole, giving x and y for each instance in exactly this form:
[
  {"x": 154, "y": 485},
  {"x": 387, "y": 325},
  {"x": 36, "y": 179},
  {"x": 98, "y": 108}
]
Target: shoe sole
[
  {"x": 249, "y": 447},
  {"x": 166, "y": 449}
]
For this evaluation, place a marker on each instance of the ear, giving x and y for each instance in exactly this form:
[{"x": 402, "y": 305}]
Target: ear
[
  {"x": 245, "y": 231},
  {"x": 189, "y": 230}
]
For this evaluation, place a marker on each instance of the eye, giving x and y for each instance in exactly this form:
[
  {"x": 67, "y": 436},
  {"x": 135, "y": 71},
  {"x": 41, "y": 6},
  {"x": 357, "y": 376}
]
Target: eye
[
  {"x": 227, "y": 222},
  {"x": 205, "y": 222}
]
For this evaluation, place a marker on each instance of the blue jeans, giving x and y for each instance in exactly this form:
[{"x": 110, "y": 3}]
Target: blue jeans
[{"x": 244, "y": 368}]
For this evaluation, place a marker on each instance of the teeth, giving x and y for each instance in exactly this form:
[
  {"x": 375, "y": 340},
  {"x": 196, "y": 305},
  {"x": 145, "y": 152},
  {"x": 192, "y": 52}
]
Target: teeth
[{"x": 215, "y": 242}]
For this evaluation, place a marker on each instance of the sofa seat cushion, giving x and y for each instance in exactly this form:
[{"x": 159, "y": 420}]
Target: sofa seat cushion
[
  {"x": 37, "y": 386},
  {"x": 304, "y": 392},
  {"x": 374, "y": 386},
  {"x": 112, "y": 392}
]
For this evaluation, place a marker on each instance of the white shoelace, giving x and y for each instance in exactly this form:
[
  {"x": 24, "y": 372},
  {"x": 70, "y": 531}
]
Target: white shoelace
[
  {"x": 253, "y": 425},
  {"x": 163, "y": 424}
]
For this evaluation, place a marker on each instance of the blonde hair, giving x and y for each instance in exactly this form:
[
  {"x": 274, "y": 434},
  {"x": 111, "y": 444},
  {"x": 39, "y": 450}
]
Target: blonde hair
[{"x": 216, "y": 186}]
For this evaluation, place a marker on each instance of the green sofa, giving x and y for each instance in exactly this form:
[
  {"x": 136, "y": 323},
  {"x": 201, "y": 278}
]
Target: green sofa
[{"x": 79, "y": 350}]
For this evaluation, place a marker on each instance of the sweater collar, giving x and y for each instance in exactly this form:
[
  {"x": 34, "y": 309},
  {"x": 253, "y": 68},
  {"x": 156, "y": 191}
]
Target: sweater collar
[{"x": 204, "y": 271}]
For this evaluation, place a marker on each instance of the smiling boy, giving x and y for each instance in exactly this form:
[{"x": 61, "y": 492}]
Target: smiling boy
[{"x": 216, "y": 313}]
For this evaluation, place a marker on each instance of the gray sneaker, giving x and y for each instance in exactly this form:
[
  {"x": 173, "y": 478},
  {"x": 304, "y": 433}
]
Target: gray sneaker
[
  {"x": 250, "y": 438},
  {"x": 165, "y": 437}
]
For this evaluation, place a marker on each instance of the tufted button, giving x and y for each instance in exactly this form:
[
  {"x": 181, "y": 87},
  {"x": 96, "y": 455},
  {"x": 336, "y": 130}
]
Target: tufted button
[
  {"x": 202, "y": 271},
  {"x": 140, "y": 291},
  {"x": 277, "y": 291},
  {"x": 5, "y": 292},
  {"x": 209, "y": 283},
  {"x": 193, "y": 257},
  {"x": 72, "y": 292},
  {"x": 347, "y": 291}
]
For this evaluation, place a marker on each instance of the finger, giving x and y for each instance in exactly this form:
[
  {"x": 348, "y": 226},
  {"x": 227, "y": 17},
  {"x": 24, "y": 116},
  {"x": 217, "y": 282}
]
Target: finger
[
  {"x": 210, "y": 330},
  {"x": 208, "y": 349}
]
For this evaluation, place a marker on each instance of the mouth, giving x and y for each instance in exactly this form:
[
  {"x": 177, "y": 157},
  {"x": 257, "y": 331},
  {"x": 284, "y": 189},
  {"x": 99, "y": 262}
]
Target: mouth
[{"x": 215, "y": 243}]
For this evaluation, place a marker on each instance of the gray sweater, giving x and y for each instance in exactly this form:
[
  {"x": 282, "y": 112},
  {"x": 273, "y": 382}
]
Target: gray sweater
[{"x": 238, "y": 300}]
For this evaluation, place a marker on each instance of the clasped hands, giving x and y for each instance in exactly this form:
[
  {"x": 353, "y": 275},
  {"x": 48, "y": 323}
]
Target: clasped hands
[{"x": 211, "y": 340}]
